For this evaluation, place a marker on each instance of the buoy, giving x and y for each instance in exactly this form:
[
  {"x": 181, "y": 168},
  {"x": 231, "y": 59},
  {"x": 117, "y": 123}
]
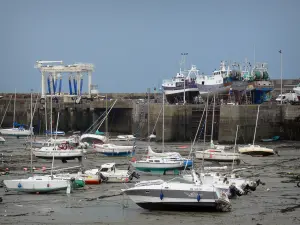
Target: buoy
[
  {"x": 198, "y": 197},
  {"x": 25, "y": 169},
  {"x": 133, "y": 159},
  {"x": 43, "y": 168},
  {"x": 161, "y": 196},
  {"x": 6, "y": 169}
]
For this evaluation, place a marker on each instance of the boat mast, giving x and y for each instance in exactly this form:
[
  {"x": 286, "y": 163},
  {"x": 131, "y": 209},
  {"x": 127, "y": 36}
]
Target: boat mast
[
  {"x": 14, "y": 108},
  {"x": 205, "y": 118},
  {"x": 46, "y": 116},
  {"x": 163, "y": 128},
  {"x": 213, "y": 120},
  {"x": 256, "y": 124},
  {"x": 106, "y": 119},
  {"x": 51, "y": 116},
  {"x": 52, "y": 165},
  {"x": 237, "y": 130},
  {"x": 31, "y": 118}
]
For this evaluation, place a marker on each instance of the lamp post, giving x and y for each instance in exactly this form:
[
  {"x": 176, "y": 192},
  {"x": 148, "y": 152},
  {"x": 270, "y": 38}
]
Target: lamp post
[
  {"x": 183, "y": 62},
  {"x": 280, "y": 75}
]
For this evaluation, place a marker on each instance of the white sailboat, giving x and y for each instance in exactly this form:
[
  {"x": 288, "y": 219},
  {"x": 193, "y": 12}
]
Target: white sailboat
[
  {"x": 17, "y": 130},
  {"x": 256, "y": 150},
  {"x": 34, "y": 184},
  {"x": 216, "y": 152}
]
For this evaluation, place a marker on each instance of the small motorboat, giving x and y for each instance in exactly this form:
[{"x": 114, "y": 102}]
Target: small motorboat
[
  {"x": 275, "y": 138},
  {"x": 218, "y": 155},
  {"x": 126, "y": 138},
  {"x": 58, "y": 133},
  {"x": 114, "y": 150},
  {"x": 94, "y": 138},
  {"x": 110, "y": 174},
  {"x": 256, "y": 150},
  {"x": 178, "y": 194}
]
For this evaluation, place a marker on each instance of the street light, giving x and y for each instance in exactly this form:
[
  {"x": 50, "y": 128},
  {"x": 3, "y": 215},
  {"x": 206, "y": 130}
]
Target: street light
[{"x": 280, "y": 75}]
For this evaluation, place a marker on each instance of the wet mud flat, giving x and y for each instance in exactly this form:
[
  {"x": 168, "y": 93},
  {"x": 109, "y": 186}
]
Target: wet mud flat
[{"x": 277, "y": 202}]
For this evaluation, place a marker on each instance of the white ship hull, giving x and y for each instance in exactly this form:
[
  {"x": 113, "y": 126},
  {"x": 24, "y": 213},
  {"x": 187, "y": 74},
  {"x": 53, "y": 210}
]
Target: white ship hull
[{"x": 49, "y": 152}]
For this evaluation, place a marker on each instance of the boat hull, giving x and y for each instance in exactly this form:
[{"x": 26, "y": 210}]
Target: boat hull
[
  {"x": 174, "y": 96},
  {"x": 58, "y": 154},
  {"x": 258, "y": 153},
  {"x": 217, "y": 157},
  {"x": 174, "y": 200},
  {"x": 15, "y": 132},
  {"x": 116, "y": 153},
  {"x": 33, "y": 186}
]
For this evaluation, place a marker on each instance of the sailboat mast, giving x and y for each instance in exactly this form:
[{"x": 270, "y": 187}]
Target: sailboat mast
[
  {"x": 106, "y": 119},
  {"x": 14, "y": 118},
  {"x": 51, "y": 117},
  {"x": 213, "y": 120},
  {"x": 237, "y": 130},
  {"x": 205, "y": 119},
  {"x": 46, "y": 127},
  {"x": 31, "y": 118},
  {"x": 52, "y": 165},
  {"x": 256, "y": 124},
  {"x": 163, "y": 128}
]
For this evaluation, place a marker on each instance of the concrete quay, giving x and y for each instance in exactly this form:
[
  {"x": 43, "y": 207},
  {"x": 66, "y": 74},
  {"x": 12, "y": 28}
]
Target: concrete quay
[{"x": 130, "y": 116}]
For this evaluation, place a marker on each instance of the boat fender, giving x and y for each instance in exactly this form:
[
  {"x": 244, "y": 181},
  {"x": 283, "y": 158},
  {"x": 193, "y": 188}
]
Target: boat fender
[
  {"x": 161, "y": 196},
  {"x": 19, "y": 185},
  {"x": 198, "y": 197},
  {"x": 298, "y": 184},
  {"x": 48, "y": 185}
]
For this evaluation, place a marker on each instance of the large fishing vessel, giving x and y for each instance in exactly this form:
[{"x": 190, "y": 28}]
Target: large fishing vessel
[{"x": 182, "y": 88}]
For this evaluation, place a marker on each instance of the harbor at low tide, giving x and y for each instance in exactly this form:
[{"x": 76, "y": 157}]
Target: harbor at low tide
[{"x": 276, "y": 202}]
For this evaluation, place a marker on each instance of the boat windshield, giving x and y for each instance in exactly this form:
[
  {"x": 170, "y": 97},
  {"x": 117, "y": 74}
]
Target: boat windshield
[{"x": 180, "y": 180}]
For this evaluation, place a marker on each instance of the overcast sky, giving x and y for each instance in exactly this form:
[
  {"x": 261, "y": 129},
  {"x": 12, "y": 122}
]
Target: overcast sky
[{"x": 135, "y": 44}]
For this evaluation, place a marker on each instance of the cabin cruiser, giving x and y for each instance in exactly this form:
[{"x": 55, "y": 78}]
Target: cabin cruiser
[
  {"x": 110, "y": 174},
  {"x": 178, "y": 194}
]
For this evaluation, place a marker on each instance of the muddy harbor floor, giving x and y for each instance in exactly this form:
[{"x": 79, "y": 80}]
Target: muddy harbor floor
[{"x": 278, "y": 202}]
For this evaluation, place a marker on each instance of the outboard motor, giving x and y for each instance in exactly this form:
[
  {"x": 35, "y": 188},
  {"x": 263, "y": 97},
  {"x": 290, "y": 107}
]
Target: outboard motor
[
  {"x": 252, "y": 186},
  {"x": 258, "y": 181},
  {"x": 103, "y": 178},
  {"x": 134, "y": 175},
  {"x": 234, "y": 191}
]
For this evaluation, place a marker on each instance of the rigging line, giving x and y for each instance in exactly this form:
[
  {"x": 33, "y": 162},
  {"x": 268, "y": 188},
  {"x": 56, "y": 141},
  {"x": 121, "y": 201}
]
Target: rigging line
[
  {"x": 5, "y": 111},
  {"x": 195, "y": 137}
]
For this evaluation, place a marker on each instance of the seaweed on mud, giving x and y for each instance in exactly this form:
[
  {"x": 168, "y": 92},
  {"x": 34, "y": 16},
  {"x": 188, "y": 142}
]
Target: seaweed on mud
[
  {"x": 103, "y": 196},
  {"x": 290, "y": 209}
]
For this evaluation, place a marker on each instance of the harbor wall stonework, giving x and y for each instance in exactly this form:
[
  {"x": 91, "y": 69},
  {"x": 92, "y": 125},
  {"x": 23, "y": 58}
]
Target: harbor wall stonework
[
  {"x": 181, "y": 121},
  {"x": 273, "y": 120}
]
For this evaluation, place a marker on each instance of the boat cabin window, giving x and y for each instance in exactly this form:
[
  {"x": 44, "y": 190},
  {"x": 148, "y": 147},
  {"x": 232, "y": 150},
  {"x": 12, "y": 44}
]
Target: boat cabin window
[
  {"x": 156, "y": 160},
  {"x": 104, "y": 169},
  {"x": 150, "y": 160}
]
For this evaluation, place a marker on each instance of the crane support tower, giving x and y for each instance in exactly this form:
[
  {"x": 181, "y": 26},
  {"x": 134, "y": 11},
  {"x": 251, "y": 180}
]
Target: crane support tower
[{"x": 53, "y": 71}]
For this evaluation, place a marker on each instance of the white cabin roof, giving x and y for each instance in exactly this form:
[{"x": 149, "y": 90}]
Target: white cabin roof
[{"x": 108, "y": 165}]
